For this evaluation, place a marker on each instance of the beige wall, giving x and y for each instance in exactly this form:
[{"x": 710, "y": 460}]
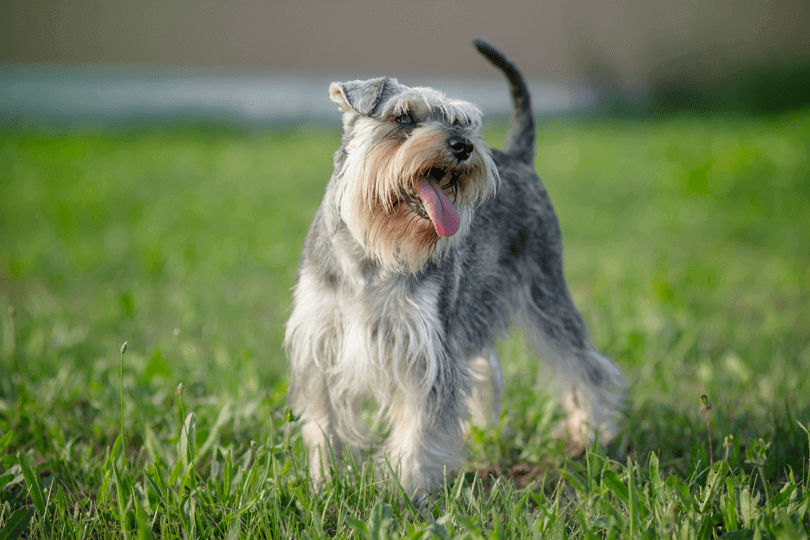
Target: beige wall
[{"x": 630, "y": 42}]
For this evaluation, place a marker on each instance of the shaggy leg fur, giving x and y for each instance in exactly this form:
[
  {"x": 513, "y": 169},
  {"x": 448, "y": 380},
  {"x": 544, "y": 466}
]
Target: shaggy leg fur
[
  {"x": 485, "y": 401},
  {"x": 592, "y": 387}
]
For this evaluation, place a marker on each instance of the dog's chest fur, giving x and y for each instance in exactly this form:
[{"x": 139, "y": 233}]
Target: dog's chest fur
[{"x": 380, "y": 328}]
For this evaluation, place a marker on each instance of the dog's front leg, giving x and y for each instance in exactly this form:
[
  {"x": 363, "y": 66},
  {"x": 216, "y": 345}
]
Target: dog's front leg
[{"x": 426, "y": 439}]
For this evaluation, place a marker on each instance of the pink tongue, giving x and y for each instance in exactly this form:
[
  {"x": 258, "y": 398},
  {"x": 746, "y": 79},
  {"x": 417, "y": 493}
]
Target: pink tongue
[{"x": 441, "y": 211}]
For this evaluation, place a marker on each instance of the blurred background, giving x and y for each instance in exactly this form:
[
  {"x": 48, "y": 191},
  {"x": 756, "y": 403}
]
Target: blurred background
[
  {"x": 162, "y": 160},
  {"x": 260, "y": 61}
]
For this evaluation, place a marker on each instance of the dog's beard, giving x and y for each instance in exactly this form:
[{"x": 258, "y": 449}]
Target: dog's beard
[
  {"x": 405, "y": 198},
  {"x": 407, "y": 228},
  {"x": 431, "y": 197}
]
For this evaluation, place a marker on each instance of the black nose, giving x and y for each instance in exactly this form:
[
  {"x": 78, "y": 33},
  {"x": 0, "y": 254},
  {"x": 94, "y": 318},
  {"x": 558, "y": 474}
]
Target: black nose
[{"x": 461, "y": 147}]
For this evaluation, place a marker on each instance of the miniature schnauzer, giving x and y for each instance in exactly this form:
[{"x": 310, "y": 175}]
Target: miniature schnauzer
[{"x": 426, "y": 245}]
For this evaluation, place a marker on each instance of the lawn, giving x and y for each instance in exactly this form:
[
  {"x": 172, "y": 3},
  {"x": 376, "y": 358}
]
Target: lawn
[{"x": 687, "y": 248}]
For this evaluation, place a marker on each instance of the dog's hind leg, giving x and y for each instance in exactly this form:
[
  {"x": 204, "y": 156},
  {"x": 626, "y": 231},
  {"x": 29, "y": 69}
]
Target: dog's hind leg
[{"x": 593, "y": 388}]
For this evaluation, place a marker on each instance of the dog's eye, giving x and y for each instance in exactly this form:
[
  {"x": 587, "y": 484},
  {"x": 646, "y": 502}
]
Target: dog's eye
[{"x": 406, "y": 119}]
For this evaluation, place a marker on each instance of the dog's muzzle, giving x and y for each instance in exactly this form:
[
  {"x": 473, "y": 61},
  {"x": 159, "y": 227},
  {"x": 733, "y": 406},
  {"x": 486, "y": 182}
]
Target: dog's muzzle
[{"x": 461, "y": 147}]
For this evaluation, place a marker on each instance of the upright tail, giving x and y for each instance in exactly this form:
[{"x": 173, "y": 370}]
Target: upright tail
[{"x": 520, "y": 137}]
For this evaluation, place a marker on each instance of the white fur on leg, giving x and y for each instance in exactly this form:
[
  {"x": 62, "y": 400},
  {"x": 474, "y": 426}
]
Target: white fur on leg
[
  {"x": 485, "y": 399},
  {"x": 318, "y": 444},
  {"x": 593, "y": 403},
  {"x": 383, "y": 339},
  {"x": 593, "y": 388},
  {"x": 596, "y": 406},
  {"x": 422, "y": 447}
]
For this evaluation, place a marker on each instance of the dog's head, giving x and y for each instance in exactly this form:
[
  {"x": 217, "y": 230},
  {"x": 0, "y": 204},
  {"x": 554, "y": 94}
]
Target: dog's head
[{"x": 411, "y": 170}]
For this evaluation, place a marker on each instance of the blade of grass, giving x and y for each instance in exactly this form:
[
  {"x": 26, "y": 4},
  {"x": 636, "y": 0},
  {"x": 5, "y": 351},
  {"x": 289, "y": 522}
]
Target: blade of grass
[
  {"x": 121, "y": 381},
  {"x": 122, "y": 500},
  {"x": 188, "y": 439},
  {"x": 34, "y": 485},
  {"x": 16, "y": 524}
]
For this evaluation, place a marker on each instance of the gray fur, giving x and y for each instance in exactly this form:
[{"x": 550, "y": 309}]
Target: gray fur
[
  {"x": 420, "y": 342},
  {"x": 520, "y": 137},
  {"x": 366, "y": 96}
]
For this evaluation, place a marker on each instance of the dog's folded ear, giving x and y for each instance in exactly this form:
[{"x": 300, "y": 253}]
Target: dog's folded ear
[{"x": 362, "y": 97}]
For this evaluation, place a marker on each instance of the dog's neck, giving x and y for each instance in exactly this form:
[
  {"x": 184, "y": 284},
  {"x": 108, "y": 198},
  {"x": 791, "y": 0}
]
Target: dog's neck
[{"x": 348, "y": 253}]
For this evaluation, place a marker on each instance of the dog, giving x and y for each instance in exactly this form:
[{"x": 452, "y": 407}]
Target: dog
[{"x": 427, "y": 245}]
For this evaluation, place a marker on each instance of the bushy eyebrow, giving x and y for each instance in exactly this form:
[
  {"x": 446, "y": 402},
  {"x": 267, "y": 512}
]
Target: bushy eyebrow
[{"x": 458, "y": 113}]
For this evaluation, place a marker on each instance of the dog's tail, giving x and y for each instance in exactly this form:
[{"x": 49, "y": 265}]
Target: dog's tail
[{"x": 520, "y": 137}]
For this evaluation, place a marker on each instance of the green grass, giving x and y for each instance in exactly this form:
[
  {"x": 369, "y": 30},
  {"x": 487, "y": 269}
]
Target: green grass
[{"x": 687, "y": 248}]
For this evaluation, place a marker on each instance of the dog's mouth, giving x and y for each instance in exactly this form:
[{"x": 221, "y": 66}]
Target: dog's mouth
[{"x": 428, "y": 200}]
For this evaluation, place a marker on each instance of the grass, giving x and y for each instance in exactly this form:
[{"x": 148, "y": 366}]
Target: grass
[{"x": 687, "y": 249}]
